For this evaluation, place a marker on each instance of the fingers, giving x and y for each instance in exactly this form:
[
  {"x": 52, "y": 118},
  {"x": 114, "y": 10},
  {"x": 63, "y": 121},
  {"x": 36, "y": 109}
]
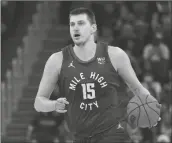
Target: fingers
[
  {"x": 63, "y": 100},
  {"x": 159, "y": 119},
  {"x": 61, "y": 104},
  {"x": 155, "y": 124},
  {"x": 61, "y": 111}
]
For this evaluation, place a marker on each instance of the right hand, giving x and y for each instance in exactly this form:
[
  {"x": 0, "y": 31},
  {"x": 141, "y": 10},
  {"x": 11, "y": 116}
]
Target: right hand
[{"x": 60, "y": 105}]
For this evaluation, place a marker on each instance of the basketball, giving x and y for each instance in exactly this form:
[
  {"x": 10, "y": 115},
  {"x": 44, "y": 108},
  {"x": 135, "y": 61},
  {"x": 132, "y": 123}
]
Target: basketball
[{"x": 143, "y": 111}]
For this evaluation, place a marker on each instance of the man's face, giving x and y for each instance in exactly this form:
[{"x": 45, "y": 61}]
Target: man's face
[{"x": 80, "y": 28}]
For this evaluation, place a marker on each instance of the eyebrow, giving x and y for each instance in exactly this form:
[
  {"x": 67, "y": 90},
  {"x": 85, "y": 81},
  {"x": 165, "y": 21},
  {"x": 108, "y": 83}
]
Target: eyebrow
[
  {"x": 78, "y": 21},
  {"x": 81, "y": 21}
]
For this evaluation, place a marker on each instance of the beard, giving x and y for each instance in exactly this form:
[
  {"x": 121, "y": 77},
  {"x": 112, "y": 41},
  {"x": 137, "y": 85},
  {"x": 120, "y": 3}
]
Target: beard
[{"x": 79, "y": 42}]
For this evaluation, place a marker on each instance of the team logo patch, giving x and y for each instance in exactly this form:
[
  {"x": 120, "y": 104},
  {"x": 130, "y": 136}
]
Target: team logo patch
[
  {"x": 101, "y": 60},
  {"x": 120, "y": 127},
  {"x": 71, "y": 65}
]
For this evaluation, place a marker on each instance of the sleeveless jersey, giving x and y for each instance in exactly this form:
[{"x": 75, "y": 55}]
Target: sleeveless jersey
[{"x": 93, "y": 89}]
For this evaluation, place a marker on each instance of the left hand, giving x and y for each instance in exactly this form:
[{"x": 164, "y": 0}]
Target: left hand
[
  {"x": 159, "y": 119},
  {"x": 156, "y": 123}
]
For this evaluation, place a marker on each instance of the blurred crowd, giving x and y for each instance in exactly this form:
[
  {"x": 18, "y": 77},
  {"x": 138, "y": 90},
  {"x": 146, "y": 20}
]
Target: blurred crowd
[
  {"x": 48, "y": 127},
  {"x": 3, "y": 25},
  {"x": 143, "y": 31},
  {"x": 11, "y": 15},
  {"x": 12, "y": 27}
]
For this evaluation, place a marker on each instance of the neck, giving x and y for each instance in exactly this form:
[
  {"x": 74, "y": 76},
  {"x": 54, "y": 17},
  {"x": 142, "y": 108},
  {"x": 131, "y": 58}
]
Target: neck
[
  {"x": 90, "y": 42},
  {"x": 85, "y": 51},
  {"x": 86, "y": 46}
]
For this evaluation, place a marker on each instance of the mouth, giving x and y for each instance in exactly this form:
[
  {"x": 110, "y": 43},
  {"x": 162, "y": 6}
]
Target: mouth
[{"x": 77, "y": 35}]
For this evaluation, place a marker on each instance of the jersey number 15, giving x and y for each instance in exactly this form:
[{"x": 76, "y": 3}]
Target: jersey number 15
[{"x": 88, "y": 90}]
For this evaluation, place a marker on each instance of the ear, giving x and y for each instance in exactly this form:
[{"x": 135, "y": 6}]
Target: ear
[{"x": 94, "y": 28}]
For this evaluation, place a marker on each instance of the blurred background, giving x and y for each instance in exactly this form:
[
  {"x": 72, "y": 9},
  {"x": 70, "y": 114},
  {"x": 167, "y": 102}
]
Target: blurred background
[{"x": 32, "y": 31}]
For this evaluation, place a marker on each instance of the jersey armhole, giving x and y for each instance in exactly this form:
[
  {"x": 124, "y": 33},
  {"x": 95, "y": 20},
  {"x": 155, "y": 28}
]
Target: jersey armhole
[
  {"x": 65, "y": 56},
  {"x": 61, "y": 65},
  {"x": 114, "y": 67}
]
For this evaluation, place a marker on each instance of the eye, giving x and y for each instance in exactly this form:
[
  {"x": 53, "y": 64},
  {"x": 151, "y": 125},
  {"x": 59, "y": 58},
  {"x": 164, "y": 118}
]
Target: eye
[
  {"x": 72, "y": 24},
  {"x": 81, "y": 23}
]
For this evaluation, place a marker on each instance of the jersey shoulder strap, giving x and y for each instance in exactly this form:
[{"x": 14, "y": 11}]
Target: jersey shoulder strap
[
  {"x": 102, "y": 50},
  {"x": 66, "y": 52}
]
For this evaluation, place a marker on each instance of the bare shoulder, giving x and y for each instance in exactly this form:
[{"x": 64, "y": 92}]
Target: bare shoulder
[
  {"x": 117, "y": 56},
  {"x": 115, "y": 52},
  {"x": 56, "y": 57},
  {"x": 54, "y": 62}
]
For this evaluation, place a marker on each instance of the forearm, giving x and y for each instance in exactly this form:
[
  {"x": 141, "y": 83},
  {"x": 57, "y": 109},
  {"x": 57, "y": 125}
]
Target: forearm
[
  {"x": 139, "y": 91},
  {"x": 43, "y": 104}
]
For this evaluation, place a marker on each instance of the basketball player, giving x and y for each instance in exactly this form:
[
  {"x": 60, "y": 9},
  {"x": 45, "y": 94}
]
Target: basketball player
[{"x": 89, "y": 78}]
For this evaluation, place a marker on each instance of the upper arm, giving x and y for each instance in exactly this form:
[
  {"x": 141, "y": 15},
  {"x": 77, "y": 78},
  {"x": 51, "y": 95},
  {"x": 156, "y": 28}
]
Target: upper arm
[
  {"x": 121, "y": 62},
  {"x": 50, "y": 75}
]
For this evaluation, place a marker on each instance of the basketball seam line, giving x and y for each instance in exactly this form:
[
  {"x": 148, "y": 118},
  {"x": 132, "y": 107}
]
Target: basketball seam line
[
  {"x": 152, "y": 108},
  {"x": 139, "y": 105},
  {"x": 134, "y": 108},
  {"x": 144, "y": 104},
  {"x": 138, "y": 117},
  {"x": 146, "y": 112},
  {"x": 145, "y": 109}
]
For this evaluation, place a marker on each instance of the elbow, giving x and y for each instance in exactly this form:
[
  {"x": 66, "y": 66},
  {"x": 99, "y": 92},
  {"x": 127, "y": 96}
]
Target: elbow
[
  {"x": 37, "y": 105},
  {"x": 43, "y": 104}
]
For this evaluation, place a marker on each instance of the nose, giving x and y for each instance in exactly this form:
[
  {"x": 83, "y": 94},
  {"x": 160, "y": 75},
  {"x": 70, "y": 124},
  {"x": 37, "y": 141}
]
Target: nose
[{"x": 76, "y": 28}]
